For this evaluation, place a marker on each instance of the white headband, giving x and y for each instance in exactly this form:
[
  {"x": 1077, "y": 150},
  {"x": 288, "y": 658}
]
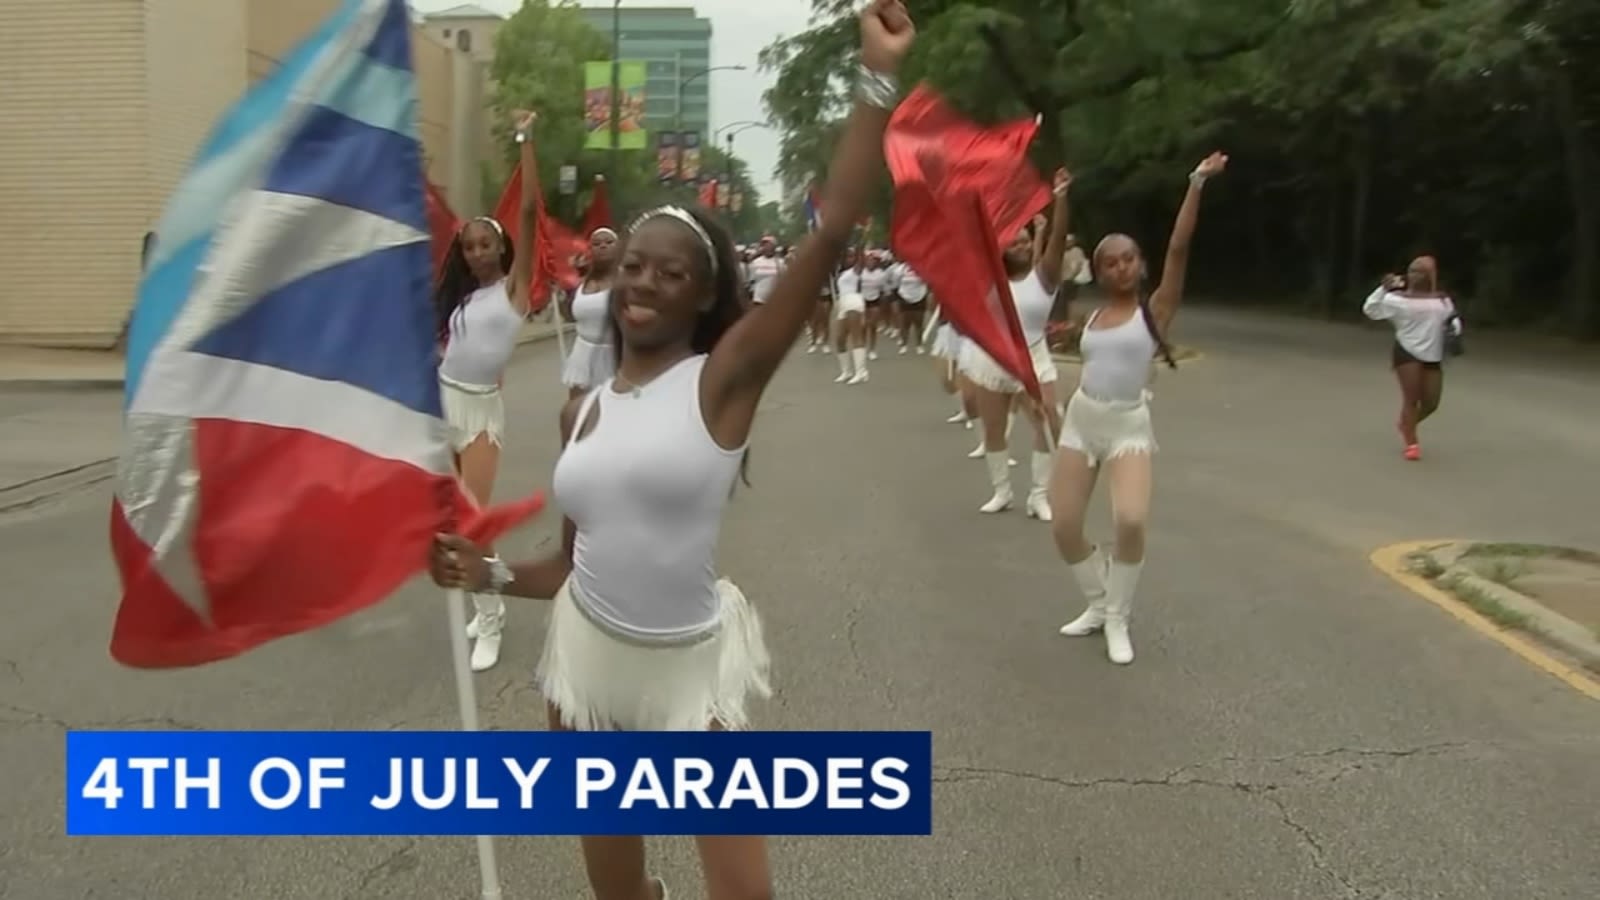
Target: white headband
[
  {"x": 493, "y": 223},
  {"x": 602, "y": 230},
  {"x": 683, "y": 216}
]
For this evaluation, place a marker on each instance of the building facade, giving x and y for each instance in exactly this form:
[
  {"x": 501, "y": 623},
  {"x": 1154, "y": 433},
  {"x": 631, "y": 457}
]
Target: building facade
[
  {"x": 480, "y": 25},
  {"x": 104, "y": 103},
  {"x": 675, "y": 45}
]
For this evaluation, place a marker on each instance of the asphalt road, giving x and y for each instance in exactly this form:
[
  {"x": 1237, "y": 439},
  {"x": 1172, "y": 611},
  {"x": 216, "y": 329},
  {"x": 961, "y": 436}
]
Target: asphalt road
[{"x": 1296, "y": 725}]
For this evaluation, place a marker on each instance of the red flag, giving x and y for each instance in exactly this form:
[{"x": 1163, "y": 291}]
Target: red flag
[
  {"x": 554, "y": 246},
  {"x": 708, "y": 194},
  {"x": 961, "y": 193},
  {"x": 599, "y": 212},
  {"x": 442, "y": 224}
]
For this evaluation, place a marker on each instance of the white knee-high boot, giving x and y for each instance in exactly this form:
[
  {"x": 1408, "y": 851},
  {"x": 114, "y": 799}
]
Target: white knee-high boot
[
  {"x": 485, "y": 629},
  {"x": 859, "y": 357},
  {"x": 1038, "y": 496},
  {"x": 1090, "y": 574},
  {"x": 844, "y": 367},
  {"x": 999, "y": 465},
  {"x": 1121, "y": 582}
]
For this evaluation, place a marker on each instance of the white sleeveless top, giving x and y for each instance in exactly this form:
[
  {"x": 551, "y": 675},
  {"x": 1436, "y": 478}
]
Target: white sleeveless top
[
  {"x": 1033, "y": 306},
  {"x": 483, "y": 334},
  {"x": 910, "y": 286},
  {"x": 591, "y": 312},
  {"x": 848, "y": 282},
  {"x": 646, "y": 490},
  {"x": 873, "y": 281},
  {"x": 1116, "y": 360}
]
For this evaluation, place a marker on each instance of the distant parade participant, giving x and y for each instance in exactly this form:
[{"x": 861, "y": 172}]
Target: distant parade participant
[
  {"x": 911, "y": 294},
  {"x": 644, "y": 635},
  {"x": 850, "y": 333},
  {"x": 1107, "y": 425},
  {"x": 1425, "y": 324},
  {"x": 482, "y": 301},
  {"x": 763, "y": 268},
  {"x": 593, "y": 358},
  {"x": 874, "y": 291},
  {"x": 1034, "y": 279}
]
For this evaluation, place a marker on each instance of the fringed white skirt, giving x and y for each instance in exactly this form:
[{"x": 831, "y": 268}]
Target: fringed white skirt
[
  {"x": 602, "y": 681},
  {"x": 1106, "y": 429},
  {"x": 981, "y": 368},
  {"x": 589, "y": 364},
  {"x": 946, "y": 345},
  {"x": 849, "y": 303},
  {"x": 472, "y": 410}
]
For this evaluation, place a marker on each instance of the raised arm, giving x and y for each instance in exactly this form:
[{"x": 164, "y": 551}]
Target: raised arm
[
  {"x": 1055, "y": 246},
  {"x": 1382, "y": 303},
  {"x": 744, "y": 361},
  {"x": 1164, "y": 302},
  {"x": 521, "y": 275}
]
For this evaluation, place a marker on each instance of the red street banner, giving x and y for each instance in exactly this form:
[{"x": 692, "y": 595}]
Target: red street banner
[{"x": 962, "y": 192}]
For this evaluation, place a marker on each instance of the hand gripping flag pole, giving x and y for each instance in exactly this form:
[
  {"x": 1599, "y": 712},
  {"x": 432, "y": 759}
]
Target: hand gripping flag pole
[{"x": 285, "y": 444}]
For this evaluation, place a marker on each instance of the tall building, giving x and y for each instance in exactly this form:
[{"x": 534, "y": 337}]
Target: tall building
[
  {"x": 480, "y": 25},
  {"x": 144, "y": 82},
  {"x": 675, "y": 45}
]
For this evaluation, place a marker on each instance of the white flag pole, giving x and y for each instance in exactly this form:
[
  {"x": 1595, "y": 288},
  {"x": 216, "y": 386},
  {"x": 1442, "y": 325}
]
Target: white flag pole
[
  {"x": 561, "y": 327},
  {"x": 467, "y": 699}
]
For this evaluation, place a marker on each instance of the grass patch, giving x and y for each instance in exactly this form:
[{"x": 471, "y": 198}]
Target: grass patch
[
  {"x": 1483, "y": 604},
  {"x": 1502, "y": 570},
  {"x": 1530, "y": 551}
]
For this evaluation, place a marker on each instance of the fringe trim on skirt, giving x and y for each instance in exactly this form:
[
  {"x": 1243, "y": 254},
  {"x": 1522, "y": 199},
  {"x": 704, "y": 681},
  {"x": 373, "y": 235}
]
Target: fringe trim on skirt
[
  {"x": 946, "y": 345},
  {"x": 471, "y": 410},
  {"x": 600, "y": 681},
  {"x": 1103, "y": 429},
  {"x": 981, "y": 368},
  {"x": 589, "y": 364}
]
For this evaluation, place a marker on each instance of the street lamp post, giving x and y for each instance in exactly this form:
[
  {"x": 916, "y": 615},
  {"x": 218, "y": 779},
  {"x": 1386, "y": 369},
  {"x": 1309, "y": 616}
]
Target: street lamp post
[
  {"x": 616, "y": 87},
  {"x": 677, "y": 108}
]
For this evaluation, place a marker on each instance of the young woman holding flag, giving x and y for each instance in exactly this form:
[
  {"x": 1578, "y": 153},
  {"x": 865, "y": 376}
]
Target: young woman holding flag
[
  {"x": 1034, "y": 279},
  {"x": 481, "y": 300},
  {"x": 1107, "y": 424},
  {"x": 643, "y": 635},
  {"x": 593, "y": 358}
]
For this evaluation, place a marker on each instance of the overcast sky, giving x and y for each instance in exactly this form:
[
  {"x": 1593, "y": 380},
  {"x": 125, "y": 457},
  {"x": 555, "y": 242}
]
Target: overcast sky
[{"x": 739, "y": 30}]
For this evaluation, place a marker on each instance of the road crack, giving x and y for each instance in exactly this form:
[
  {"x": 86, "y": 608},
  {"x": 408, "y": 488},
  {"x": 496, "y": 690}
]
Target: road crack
[
  {"x": 1344, "y": 760},
  {"x": 20, "y": 715},
  {"x": 399, "y": 862}
]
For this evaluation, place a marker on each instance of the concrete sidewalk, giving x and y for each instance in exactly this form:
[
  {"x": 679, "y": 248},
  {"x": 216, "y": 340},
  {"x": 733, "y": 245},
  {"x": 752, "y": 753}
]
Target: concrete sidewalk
[
  {"x": 46, "y": 367},
  {"x": 61, "y": 418}
]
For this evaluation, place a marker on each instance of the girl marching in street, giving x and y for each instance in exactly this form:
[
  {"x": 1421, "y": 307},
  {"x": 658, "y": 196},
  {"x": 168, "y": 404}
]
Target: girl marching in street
[
  {"x": 1425, "y": 327},
  {"x": 1034, "y": 278},
  {"x": 1107, "y": 424},
  {"x": 850, "y": 334},
  {"x": 643, "y": 634},
  {"x": 593, "y": 358},
  {"x": 481, "y": 300}
]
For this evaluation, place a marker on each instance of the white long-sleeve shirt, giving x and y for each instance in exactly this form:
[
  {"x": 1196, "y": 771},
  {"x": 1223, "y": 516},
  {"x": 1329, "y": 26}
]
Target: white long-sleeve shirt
[{"x": 1419, "y": 322}]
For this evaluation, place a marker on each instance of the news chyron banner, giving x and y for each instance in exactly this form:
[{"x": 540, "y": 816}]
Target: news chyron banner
[{"x": 158, "y": 783}]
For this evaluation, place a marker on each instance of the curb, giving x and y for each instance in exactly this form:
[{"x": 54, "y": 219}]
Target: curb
[{"x": 1392, "y": 561}]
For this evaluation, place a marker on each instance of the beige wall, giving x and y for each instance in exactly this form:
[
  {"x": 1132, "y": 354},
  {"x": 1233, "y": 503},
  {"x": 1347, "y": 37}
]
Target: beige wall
[
  {"x": 103, "y": 105},
  {"x": 483, "y": 31},
  {"x": 72, "y": 166}
]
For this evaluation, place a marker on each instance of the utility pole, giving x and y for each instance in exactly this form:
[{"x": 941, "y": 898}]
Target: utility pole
[{"x": 616, "y": 89}]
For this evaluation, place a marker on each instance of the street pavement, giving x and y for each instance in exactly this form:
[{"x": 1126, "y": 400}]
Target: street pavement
[{"x": 1297, "y": 725}]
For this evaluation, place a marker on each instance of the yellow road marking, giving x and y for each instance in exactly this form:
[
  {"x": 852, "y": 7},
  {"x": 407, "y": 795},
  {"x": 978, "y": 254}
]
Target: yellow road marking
[{"x": 1391, "y": 561}]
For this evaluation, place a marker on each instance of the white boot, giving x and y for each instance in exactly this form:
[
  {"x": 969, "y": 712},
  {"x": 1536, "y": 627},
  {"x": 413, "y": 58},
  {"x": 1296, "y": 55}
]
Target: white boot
[
  {"x": 960, "y": 418},
  {"x": 999, "y": 465},
  {"x": 1120, "y": 585},
  {"x": 859, "y": 357},
  {"x": 1038, "y": 498},
  {"x": 485, "y": 629},
  {"x": 1091, "y": 577},
  {"x": 844, "y": 368}
]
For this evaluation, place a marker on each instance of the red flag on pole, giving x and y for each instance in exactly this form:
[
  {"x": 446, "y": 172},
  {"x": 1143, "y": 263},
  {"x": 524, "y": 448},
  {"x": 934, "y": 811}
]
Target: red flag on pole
[
  {"x": 599, "y": 212},
  {"x": 553, "y": 248},
  {"x": 442, "y": 224},
  {"x": 961, "y": 193}
]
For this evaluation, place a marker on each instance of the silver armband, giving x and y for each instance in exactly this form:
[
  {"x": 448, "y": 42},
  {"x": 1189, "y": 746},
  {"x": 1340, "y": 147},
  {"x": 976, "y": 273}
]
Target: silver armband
[
  {"x": 876, "y": 88},
  {"x": 1197, "y": 179}
]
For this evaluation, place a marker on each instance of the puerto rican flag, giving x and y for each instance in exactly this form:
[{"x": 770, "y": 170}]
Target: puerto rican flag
[
  {"x": 813, "y": 210},
  {"x": 286, "y": 461}
]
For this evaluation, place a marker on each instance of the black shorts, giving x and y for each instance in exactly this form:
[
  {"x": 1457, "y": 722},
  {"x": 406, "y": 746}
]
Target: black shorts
[{"x": 1401, "y": 355}]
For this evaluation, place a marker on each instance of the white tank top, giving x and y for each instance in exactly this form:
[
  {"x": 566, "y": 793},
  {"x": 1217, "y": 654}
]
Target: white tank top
[
  {"x": 848, "y": 282},
  {"x": 1116, "y": 360},
  {"x": 591, "y": 311},
  {"x": 646, "y": 490},
  {"x": 1033, "y": 306},
  {"x": 873, "y": 282},
  {"x": 483, "y": 334}
]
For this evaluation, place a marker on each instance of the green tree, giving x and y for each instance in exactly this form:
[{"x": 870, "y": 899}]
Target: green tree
[{"x": 1362, "y": 131}]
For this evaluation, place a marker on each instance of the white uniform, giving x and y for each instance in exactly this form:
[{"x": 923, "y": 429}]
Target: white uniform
[
  {"x": 761, "y": 274},
  {"x": 1109, "y": 415},
  {"x": 1419, "y": 322},
  {"x": 593, "y": 357},
  {"x": 1033, "y": 304},
  {"x": 483, "y": 334}
]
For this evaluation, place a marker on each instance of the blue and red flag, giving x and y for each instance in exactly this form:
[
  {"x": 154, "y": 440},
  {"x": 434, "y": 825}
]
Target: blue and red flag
[
  {"x": 286, "y": 461},
  {"x": 813, "y": 210}
]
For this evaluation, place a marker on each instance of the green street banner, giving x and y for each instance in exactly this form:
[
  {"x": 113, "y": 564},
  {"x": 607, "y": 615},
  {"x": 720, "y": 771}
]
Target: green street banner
[{"x": 597, "y": 106}]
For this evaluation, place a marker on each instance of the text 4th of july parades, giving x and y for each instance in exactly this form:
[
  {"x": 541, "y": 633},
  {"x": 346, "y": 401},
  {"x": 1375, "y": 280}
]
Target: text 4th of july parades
[{"x": 471, "y": 783}]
